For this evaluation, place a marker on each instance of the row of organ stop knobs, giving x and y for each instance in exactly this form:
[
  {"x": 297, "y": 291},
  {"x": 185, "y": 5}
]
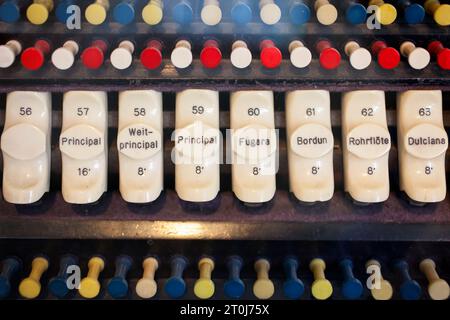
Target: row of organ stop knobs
[
  {"x": 198, "y": 142},
  {"x": 64, "y": 283},
  {"x": 241, "y": 57},
  {"x": 184, "y": 12}
]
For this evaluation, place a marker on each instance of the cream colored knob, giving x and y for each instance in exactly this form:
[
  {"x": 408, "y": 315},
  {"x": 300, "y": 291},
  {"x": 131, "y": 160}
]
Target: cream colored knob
[
  {"x": 83, "y": 145},
  {"x": 326, "y": 13},
  {"x": 269, "y": 12},
  {"x": 384, "y": 291},
  {"x": 197, "y": 149},
  {"x": 147, "y": 287},
  {"x": 254, "y": 145},
  {"x": 25, "y": 144},
  {"x": 366, "y": 145},
  {"x": 422, "y": 145},
  {"x": 310, "y": 145},
  {"x": 438, "y": 288},
  {"x": 139, "y": 145},
  {"x": 211, "y": 13}
]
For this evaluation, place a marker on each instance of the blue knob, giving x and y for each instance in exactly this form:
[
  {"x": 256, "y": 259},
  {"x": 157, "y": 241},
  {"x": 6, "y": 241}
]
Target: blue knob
[
  {"x": 234, "y": 287},
  {"x": 9, "y": 11},
  {"x": 58, "y": 285},
  {"x": 61, "y": 10},
  {"x": 175, "y": 286},
  {"x": 414, "y": 13},
  {"x": 182, "y": 12},
  {"x": 11, "y": 266},
  {"x": 293, "y": 287},
  {"x": 123, "y": 12},
  {"x": 241, "y": 12},
  {"x": 118, "y": 285},
  {"x": 351, "y": 287},
  {"x": 356, "y": 13},
  {"x": 409, "y": 289},
  {"x": 299, "y": 12}
]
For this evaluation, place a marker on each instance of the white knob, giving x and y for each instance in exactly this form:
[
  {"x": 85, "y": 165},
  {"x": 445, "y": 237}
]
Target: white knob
[
  {"x": 241, "y": 56},
  {"x": 300, "y": 55},
  {"x": 181, "y": 56},
  {"x": 360, "y": 58},
  {"x": 418, "y": 58},
  {"x": 122, "y": 57},
  {"x": 8, "y": 53},
  {"x": 64, "y": 57}
]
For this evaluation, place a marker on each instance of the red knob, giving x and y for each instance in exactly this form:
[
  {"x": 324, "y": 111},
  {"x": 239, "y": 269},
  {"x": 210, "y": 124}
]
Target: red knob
[
  {"x": 388, "y": 57},
  {"x": 151, "y": 57},
  {"x": 33, "y": 58},
  {"x": 329, "y": 57},
  {"x": 211, "y": 55},
  {"x": 442, "y": 54},
  {"x": 270, "y": 54},
  {"x": 93, "y": 56}
]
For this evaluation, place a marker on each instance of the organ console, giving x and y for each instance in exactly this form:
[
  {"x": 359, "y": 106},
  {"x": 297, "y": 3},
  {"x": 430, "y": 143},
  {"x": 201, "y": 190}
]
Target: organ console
[{"x": 209, "y": 149}]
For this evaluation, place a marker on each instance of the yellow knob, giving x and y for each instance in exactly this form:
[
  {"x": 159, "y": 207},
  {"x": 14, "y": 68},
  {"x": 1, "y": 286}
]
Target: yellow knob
[
  {"x": 263, "y": 287},
  {"x": 204, "y": 286},
  {"x": 440, "y": 12},
  {"x": 30, "y": 287},
  {"x": 90, "y": 286},
  {"x": 438, "y": 288},
  {"x": 152, "y": 13},
  {"x": 146, "y": 287},
  {"x": 321, "y": 288},
  {"x": 386, "y": 13},
  {"x": 38, "y": 11},
  {"x": 384, "y": 290},
  {"x": 96, "y": 12}
]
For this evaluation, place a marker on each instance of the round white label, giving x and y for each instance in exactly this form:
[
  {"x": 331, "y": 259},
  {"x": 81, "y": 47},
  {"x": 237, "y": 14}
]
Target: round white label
[
  {"x": 82, "y": 142},
  {"x": 369, "y": 141},
  {"x": 426, "y": 141},
  {"x": 254, "y": 142},
  {"x": 312, "y": 141},
  {"x": 139, "y": 141},
  {"x": 197, "y": 142},
  {"x": 23, "y": 141}
]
